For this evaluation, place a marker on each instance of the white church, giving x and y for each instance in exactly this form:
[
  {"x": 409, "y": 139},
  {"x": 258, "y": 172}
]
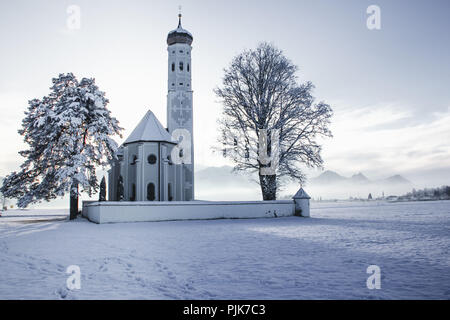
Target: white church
[
  {"x": 145, "y": 170},
  {"x": 152, "y": 178}
]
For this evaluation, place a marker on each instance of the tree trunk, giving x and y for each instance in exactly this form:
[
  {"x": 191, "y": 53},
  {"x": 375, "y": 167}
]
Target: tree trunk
[
  {"x": 268, "y": 185},
  {"x": 74, "y": 201}
]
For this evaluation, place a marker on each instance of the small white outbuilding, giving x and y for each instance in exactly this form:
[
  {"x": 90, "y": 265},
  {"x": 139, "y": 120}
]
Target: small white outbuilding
[{"x": 301, "y": 199}]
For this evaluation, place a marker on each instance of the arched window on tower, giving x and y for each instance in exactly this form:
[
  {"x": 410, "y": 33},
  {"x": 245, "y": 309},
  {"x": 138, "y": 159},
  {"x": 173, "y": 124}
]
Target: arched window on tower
[
  {"x": 181, "y": 65},
  {"x": 151, "y": 192},
  {"x": 188, "y": 69},
  {"x": 173, "y": 66}
]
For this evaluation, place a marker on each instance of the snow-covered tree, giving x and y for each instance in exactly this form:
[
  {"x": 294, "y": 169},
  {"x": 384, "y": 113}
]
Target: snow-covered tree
[
  {"x": 69, "y": 136},
  {"x": 263, "y": 104},
  {"x": 3, "y": 200}
]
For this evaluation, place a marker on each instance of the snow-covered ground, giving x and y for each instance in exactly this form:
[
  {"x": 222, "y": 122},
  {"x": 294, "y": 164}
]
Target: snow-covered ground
[{"x": 325, "y": 256}]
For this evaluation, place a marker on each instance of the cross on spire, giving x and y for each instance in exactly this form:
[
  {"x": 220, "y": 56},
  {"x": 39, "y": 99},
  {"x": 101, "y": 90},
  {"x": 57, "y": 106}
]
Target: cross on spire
[{"x": 179, "y": 16}]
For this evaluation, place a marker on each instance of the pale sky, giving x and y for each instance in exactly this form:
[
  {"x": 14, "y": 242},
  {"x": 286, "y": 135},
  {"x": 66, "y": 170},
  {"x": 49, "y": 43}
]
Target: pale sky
[{"x": 389, "y": 88}]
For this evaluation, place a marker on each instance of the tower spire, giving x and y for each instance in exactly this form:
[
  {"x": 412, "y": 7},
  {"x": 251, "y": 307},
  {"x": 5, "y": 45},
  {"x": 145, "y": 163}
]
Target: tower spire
[{"x": 179, "y": 16}]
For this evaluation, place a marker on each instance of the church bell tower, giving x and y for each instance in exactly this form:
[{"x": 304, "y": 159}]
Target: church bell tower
[{"x": 179, "y": 106}]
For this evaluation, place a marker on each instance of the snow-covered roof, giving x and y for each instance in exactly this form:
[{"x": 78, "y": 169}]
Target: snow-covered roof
[
  {"x": 301, "y": 194},
  {"x": 180, "y": 30},
  {"x": 149, "y": 129},
  {"x": 179, "y": 35}
]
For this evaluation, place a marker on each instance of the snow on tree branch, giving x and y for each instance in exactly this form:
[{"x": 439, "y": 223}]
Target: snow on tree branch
[{"x": 69, "y": 134}]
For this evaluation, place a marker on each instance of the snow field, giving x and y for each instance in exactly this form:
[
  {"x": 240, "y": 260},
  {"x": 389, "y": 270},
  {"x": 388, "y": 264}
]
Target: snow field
[{"x": 323, "y": 257}]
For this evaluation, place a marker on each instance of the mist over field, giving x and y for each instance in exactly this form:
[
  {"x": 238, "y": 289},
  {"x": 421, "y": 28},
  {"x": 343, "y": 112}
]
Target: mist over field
[{"x": 222, "y": 184}]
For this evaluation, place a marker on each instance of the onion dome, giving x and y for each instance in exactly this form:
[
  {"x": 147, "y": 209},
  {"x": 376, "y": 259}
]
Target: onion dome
[{"x": 179, "y": 35}]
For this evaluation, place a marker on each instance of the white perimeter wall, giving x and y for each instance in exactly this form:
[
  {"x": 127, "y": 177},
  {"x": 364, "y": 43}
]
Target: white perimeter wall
[{"x": 124, "y": 211}]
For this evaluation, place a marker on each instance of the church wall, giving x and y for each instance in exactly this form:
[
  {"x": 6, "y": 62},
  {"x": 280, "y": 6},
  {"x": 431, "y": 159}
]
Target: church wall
[
  {"x": 132, "y": 162},
  {"x": 142, "y": 172},
  {"x": 140, "y": 169},
  {"x": 124, "y": 172},
  {"x": 108, "y": 212},
  {"x": 179, "y": 183},
  {"x": 171, "y": 195},
  {"x": 163, "y": 177}
]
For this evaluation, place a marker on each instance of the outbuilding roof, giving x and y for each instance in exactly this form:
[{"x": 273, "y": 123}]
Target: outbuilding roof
[{"x": 301, "y": 194}]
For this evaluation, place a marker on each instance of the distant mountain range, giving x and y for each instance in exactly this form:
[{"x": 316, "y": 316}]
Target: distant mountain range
[
  {"x": 330, "y": 177},
  {"x": 222, "y": 176}
]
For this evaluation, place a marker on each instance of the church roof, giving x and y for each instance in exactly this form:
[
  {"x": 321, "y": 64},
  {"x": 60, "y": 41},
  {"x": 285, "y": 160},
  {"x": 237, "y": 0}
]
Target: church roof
[
  {"x": 149, "y": 129},
  {"x": 179, "y": 35}
]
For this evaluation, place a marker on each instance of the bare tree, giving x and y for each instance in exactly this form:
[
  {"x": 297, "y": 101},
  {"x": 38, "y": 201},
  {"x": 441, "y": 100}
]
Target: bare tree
[{"x": 265, "y": 110}]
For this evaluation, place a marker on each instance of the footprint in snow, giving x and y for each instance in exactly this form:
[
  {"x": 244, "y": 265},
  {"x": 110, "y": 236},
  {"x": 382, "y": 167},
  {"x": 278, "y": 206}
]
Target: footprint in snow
[{"x": 62, "y": 292}]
